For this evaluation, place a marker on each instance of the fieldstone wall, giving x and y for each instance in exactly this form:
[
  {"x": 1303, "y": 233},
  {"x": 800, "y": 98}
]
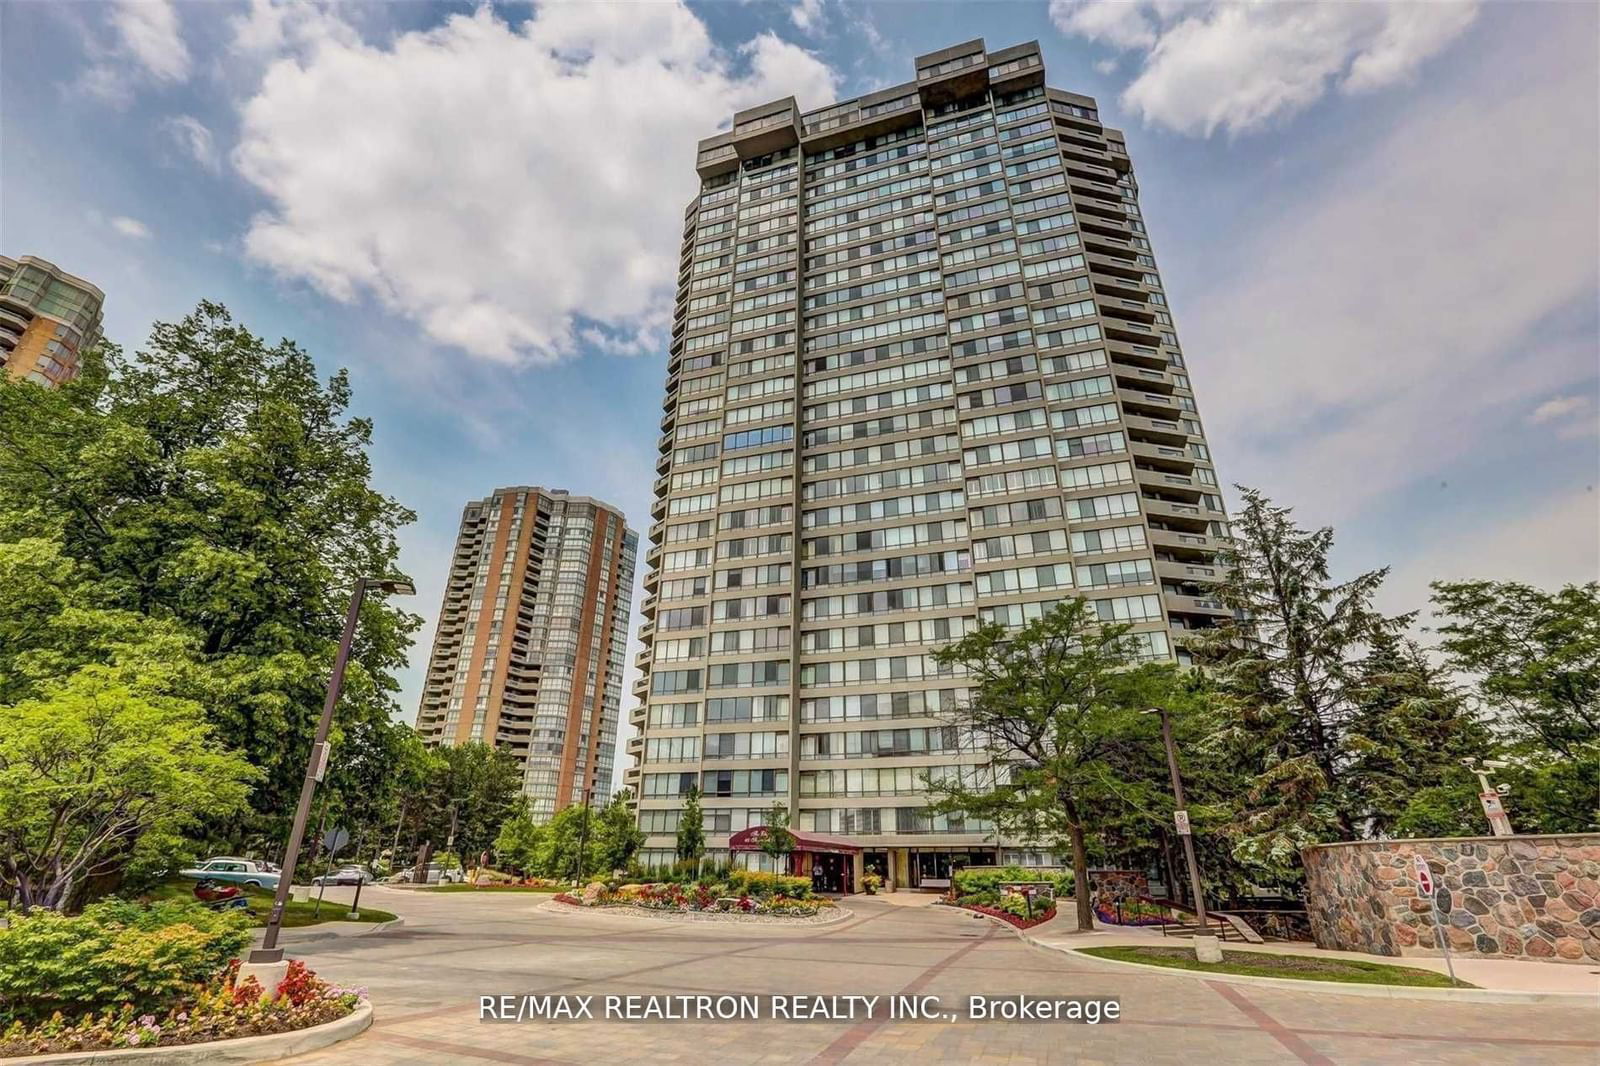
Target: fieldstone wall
[{"x": 1527, "y": 897}]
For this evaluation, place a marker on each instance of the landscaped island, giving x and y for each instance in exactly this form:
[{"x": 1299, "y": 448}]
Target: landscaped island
[
  {"x": 124, "y": 975},
  {"x": 737, "y": 892}
]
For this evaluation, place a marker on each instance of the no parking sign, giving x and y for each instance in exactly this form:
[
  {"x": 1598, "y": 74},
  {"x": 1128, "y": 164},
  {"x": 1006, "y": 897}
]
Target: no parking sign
[{"x": 1424, "y": 877}]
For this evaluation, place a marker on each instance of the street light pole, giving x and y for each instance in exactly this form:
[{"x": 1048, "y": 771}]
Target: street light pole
[
  {"x": 269, "y": 953},
  {"x": 1182, "y": 817},
  {"x": 583, "y": 834}
]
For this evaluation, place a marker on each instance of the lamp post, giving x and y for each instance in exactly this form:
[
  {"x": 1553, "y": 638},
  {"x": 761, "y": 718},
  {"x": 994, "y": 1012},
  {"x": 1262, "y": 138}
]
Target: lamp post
[
  {"x": 267, "y": 960},
  {"x": 1206, "y": 948},
  {"x": 583, "y": 835}
]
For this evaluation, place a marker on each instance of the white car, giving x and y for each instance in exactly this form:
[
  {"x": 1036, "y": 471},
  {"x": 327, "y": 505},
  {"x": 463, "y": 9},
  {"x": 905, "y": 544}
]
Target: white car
[
  {"x": 436, "y": 875},
  {"x": 226, "y": 868}
]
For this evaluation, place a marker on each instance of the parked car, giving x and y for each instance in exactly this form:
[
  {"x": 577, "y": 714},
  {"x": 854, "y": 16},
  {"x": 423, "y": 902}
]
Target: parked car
[
  {"x": 251, "y": 872},
  {"x": 437, "y": 874},
  {"x": 346, "y": 875}
]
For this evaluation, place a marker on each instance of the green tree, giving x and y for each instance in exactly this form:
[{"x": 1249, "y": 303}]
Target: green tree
[
  {"x": 777, "y": 842},
  {"x": 1056, "y": 705},
  {"x": 1408, "y": 732},
  {"x": 559, "y": 851},
  {"x": 92, "y": 766},
  {"x": 691, "y": 829},
  {"x": 1534, "y": 657},
  {"x": 1288, "y": 683},
  {"x": 617, "y": 835},
  {"x": 518, "y": 843},
  {"x": 480, "y": 785},
  {"x": 217, "y": 484}
]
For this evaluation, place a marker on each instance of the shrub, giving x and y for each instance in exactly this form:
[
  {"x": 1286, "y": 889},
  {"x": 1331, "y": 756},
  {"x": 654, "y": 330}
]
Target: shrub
[
  {"x": 761, "y": 884},
  {"x": 111, "y": 954},
  {"x": 989, "y": 879}
]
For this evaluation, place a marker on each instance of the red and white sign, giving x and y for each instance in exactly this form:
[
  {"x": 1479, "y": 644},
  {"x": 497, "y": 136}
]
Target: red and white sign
[{"x": 1424, "y": 877}]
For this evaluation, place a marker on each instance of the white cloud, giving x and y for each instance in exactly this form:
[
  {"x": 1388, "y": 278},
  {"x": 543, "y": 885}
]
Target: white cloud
[
  {"x": 1558, "y": 408},
  {"x": 504, "y": 187},
  {"x": 195, "y": 139},
  {"x": 148, "y": 29},
  {"x": 130, "y": 227},
  {"x": 1388, "y": 319},
  {"x": 1237, "y": 66},
  {"x": 144, "y": 45},
  {"x": 1569, "y": 415},
  {"x": 806, "y": 15},
  {"x": 1105, "y": 66}
]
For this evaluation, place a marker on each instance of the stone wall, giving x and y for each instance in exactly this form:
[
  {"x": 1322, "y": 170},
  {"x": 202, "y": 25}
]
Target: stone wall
[{"x": 1527, "y": 897}]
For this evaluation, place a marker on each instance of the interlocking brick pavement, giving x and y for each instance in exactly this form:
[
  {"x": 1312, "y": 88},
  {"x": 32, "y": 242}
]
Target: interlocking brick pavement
[{"x": 426, "y": 976}]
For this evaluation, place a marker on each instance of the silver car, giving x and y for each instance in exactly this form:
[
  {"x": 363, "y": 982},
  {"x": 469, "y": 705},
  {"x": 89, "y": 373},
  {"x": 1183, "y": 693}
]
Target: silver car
[{"x": 250, "y": 872}]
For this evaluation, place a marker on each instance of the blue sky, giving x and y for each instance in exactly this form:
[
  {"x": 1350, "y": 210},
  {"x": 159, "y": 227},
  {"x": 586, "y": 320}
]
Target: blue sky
[{"x": 1377, "y": 224}]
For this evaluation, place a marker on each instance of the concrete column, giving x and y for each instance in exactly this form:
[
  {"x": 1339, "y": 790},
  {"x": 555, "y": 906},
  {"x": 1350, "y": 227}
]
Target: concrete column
[{"x": 858, "y": 869}]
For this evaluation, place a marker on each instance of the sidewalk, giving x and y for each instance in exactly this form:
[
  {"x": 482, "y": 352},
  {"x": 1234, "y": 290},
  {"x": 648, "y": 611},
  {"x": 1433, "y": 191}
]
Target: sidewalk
[
  {"x": 904, "y": 897},
  {"x": 1497, "y": 975}
]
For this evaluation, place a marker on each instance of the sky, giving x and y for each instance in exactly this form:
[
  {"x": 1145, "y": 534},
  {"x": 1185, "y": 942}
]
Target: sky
[{"x": 1377, "y": 224}]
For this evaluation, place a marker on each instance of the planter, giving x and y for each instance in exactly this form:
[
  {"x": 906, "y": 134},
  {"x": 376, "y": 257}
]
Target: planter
[
  {"x": 245, "y": 1049},
  {"x": 1007, "y": 916}
]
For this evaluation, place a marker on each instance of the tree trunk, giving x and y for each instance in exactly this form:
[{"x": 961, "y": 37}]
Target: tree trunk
[{"x": 1080, "y": 878}]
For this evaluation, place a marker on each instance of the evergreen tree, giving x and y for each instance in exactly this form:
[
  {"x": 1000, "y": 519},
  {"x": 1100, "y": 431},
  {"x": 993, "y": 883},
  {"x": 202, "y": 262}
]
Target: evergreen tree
[
  {"x": 1408, "y": 733},
  {"x": 1287, "y": 682}
]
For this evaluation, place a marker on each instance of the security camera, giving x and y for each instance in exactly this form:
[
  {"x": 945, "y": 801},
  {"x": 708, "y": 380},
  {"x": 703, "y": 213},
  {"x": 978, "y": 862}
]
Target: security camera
[
  {"x": 1503, "y": 788},
  {"x": 1496, "y": 764}
]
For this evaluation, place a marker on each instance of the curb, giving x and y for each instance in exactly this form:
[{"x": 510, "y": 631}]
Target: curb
[
  {"x": 1339, "y": 988},
  {"x": 367, "y": 930},
  {"x": 245, "y": 1049}
]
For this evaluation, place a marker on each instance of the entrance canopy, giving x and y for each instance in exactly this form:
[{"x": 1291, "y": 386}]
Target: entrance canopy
[{"x": 750, "y": 840}]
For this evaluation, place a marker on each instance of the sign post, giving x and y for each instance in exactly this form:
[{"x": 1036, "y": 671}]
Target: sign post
[
  {"x": 1495, "y": 810},
  {"x": 1425, "y": 886}
]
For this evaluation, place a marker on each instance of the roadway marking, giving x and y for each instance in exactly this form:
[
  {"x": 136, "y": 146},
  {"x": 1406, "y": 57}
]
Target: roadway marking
[
  {"x": 1271, "y": 1026},
  {"x": 860, "y": 1032}
]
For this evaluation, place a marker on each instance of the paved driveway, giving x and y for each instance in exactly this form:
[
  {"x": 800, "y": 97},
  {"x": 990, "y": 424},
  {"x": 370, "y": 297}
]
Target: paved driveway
[{"x": 426, "y": 977}]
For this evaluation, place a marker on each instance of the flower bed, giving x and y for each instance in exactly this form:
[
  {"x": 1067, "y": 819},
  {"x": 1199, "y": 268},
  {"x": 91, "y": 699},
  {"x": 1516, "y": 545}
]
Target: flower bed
[
  {"x": 1021, "y": 921},
  {"x": 220, "y": 1009},
  {"x": 694, "y": 898}
]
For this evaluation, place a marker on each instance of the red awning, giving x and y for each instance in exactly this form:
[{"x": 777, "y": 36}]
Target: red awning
[{"x": 750, "y": 840}]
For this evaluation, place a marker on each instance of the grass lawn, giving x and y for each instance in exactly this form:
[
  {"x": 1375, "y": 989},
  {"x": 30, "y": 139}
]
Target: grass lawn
[
  {"x": 294, "y": 914},
  {"x": 1299, "y": 967},
  {"x": 552, "y": 889}
]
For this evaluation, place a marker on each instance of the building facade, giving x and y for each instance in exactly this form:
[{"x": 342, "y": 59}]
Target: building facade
[
  {"x": 47, "y": 317},
  {"x": 922, "y": 375},
  {"x": 532, "y": 640}
]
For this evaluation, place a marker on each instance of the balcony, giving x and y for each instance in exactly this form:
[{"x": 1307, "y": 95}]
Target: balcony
[
  {"x": 1175, "y": 486},
  {"x": 874, "y": 114},
  {"x": 719, "y": 159},
  {"x": 1179, "y": 516},
  {"x": 1163, "y": 456},
  {"x": 1182, "y": 572},
  {"x": 1139, "y": 355},
  {"x": 1016, "y": 68},
  {"x": 1180, "y": 603},
  {"x": 1174, "y": 540},
  {"x": 953, "y": 73},
  {"x": 1150, "y": 404}
]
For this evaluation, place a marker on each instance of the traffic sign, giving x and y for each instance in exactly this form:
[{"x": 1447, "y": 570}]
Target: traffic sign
[
  {"x": 1424, "y": 877},
  {"x": 1182, "y": 818}
]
